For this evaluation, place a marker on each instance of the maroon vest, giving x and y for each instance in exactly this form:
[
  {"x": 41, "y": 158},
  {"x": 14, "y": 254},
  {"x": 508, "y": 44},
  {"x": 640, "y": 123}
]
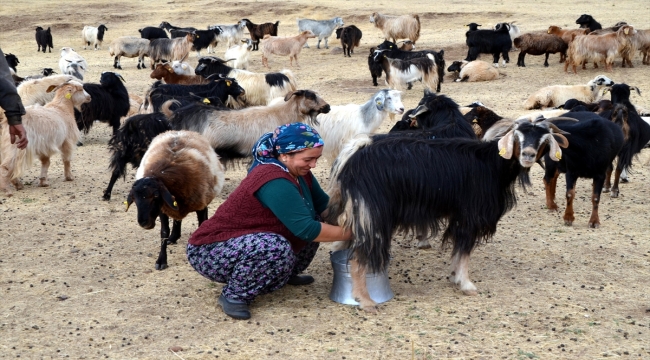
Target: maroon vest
[{"x": 243, "y": 214}]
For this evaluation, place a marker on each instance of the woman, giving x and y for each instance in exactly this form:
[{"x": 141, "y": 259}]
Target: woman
[{"x": 268, "y": 230}]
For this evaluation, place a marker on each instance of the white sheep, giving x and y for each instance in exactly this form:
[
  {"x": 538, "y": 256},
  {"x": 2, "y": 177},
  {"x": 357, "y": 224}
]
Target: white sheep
[
  {"x": 472, "y": 71},
  {"x": 129, "y": 46},
  {"x": 323, "y": 29},
  {"x": 93, "y": 36},
  {"x": 284, "y": 46},
  {"x": 71, "y": 63},
  {"x": 397, "y": 27},
  {"x": 238, "y": 55},
  {"x": 344, "y": 122},
  {"x": 50, "y": 129},
  {"x": 34, "y": 92},
  {"x": 557, "y": 95}
]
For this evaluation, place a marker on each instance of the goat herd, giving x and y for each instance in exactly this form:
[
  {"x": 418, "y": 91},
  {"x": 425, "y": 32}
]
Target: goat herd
[{"x": 231, "y": 107}]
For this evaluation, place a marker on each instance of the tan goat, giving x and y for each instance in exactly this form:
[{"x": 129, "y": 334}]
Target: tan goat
[
  {"x": 600, "y": 48},
  {"x": 284, "y": 46}
]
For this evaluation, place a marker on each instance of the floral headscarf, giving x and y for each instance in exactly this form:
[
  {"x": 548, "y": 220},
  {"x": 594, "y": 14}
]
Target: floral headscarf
[{"x": 284, "y": 139}]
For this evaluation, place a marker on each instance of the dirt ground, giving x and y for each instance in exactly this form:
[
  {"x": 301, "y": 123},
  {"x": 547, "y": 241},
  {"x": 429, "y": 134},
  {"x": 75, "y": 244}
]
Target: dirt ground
[{"x": 77, "y": 276}]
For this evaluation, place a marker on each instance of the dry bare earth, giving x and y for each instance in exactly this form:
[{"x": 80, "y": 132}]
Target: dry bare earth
[{"x": 77, "y": 276}]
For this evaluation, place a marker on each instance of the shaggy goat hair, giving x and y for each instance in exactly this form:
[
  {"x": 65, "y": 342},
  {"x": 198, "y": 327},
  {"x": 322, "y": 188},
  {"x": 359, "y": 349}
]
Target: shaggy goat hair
[
  {"x": 152, "y": 32},
  {"x": 350, "y": 37},
  {"x": 44, "y": 39},
  {"x": 109, "y": 102},
  {"x": 93, "y": 36},
  {"x": 401, "y": 72},
  {"x": 440, "y": 115},
  {"x": 481, "y": 119},
  {"x": 205, "y": 39},
  {"x": 595, "y": 142},
  {"x": 257, "y": 31},
  {"x": 391, "y": 50},
  {"x": 493, "y": 42},
  {"x": 427, "y": 192},
  {"x": 588, "y": 21},
  {"x": 130, "y": 142},
  {"x": 219, "y": 89}
]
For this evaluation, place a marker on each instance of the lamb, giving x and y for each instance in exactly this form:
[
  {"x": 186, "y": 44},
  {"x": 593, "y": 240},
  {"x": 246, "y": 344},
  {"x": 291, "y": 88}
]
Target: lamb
[
  {"x": 539, "y": 44},
  {"x": 601, "y": 48},
  {"x": 233, "y": 133},
  {"x": 50, "y": 129},
  {"x": 71, "y": 63},
  {"x": 344, "y": 122},
  {"x": 93, "y": 35},
  {"x": 44, "y": 39},
  {"x": 472, "y": 71},
  {"x": 110, "y": 102},
  {"x": 166, "y": 73},
  {"x": 130, "y": 47},
  {"x": 179, "y": 174},
  {"x": 557, "y": 95},
  {"x": 231, "y": 34},
  {"x": 588, "y": 21},
  {"x": 284, "y": 46},
  {"x": 258, "y": 31},
  {"x": 238, "y": 55},
  {"x": 152, "y": 32},
  {"x": 493, "y": 42},
  {"x": 321, "y": 28},
  {"x": 401, "y": 72},
  {"x": 35, "y": 91},
  {"x": 350, "y": 37},
  {"x": 170, "y": 49},
  {"x": 397, "y": 27},
  {"x": 130, "y": 143}
]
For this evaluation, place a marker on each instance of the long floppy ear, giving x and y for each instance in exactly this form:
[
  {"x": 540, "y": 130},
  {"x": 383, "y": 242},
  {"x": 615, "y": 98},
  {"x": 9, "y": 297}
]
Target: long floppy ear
[
  {"x": 635, "y": 88},
  {"x": 379, "y": 100},
  {"x": 506, "y": 144},
  {"x": 297, "y": 93},
  {"x": 168, "y": 198},
  {"x": 555, "y": 153}
]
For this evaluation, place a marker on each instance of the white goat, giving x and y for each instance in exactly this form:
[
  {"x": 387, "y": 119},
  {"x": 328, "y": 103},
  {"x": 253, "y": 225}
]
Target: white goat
[
  {"x": 231, "y": 34},
  {"x": 71, "y": 63},
  {"x": 557, "y": 95},
  {"x": 344, "y": 122},
  {"x": 284, "y": 46},
  {"x": 323, "y": 29},
  {"x": 34, "y": 92},
  {"x": 93, "y": 36},
  {"x": 129, "y": 46},
  {"x": 397, "y": 27},
  {"x": 238, "y": 55},
  {"x": 182, "y": 68},
  {"x": 50, "y": 129}
]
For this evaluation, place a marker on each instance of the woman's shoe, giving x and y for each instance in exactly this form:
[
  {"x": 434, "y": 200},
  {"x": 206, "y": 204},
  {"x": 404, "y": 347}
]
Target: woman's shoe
[
  {"x": 300, "y": 280},
  {"x": 234, "y": 308}
]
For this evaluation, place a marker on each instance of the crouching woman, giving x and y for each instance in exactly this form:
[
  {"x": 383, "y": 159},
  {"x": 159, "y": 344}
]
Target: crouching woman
[{"x": 268, "y": 230}]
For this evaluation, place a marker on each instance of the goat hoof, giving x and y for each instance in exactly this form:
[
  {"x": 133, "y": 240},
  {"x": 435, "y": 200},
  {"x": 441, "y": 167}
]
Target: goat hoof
[
  {"x": 69, "y": 178},
  {"x": 424, "y": 247},
  {"x": 568, "y": 222},
  {"x": 624, "y": 180},
  {"x": 594, "y": 225},
  {"x": 614, "y": 194},
  {"x": 162, "y": 266},
  {"x": 606, "y": 190},
  {"x": 79, "y": 143},
  {"x": 106, "y": 197},
  {"x": 171, "y": 242},
  {"x": 470, "y": 292}
]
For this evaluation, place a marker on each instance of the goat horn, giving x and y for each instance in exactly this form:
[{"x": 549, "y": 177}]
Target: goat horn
[
  {"x": 120, "y": 76},
  {"x": 557, "y": 130},
  {"x": 635, "y": 88},
  {"x": 561, "y": 118}
]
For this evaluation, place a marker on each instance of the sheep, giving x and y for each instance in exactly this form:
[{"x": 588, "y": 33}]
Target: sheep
[
  {"x": 221, "y": 89},
  {"x": 182, "y": 68},
  {"x": 493, "y": 42},
  {"x": 556, "y": 95},
  {"x": 321, "y": 28},
  {"x": 233, "y": 133},
  {"x": 600, "y": 48},
  {"x": 71, "y": 63},
  {"x": 539, "y": 44},
  {"x": 110, "y": 101},
  {"x": 588, "y": 22},
  {"x": 130, "y": 143},
  {"x": 152, "y": 32},
  {"x": 258, "y": 31},
  {"x": 260, "y": 88},
  {"x": 642, "y": 42},
  {"x": 44, "y": 39},
  {"x": 397, "y": 27},
  {"x": 130, "y": 47},
  {"x": 472, "y": 71},
  {"x": 401, "y": 72},
  {"x": 170, "y": 49},
  {"x": 344, "y": 122},
  {"x": 231, "y": 34},
  {"x": 35, "y": 91},
  {"x": 567, "y": 35},
  {"x": 176, "y": 31},
  {"x": 238, "y": 55},
  {"x": 595, "y": 142},
  {"x": 350, "y": 37},
  {"x": 391, "y": 50},
  {"x": 50, "y": 129},
  {"x": 284, "y": 46},
  {"x": 442, "y": 179},
  {"x": 93, "y": 35},
  {"x": 179, "y": 174},
  {"x": 166, "y": 73}
]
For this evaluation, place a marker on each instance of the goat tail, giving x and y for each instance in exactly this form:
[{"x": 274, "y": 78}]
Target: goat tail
[
  {"x": 165, "y": 108},
  {"x": 292, "y": 79},
  {"x": 14, "y": 161}
]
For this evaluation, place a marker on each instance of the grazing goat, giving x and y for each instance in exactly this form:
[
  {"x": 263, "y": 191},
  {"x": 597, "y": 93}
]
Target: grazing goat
[
  {"x": 238, "y": 55},
  {"x": 152, "y": 32},
  {"x": 71, "y": 63},
  {"x": 344, "y": 122},
  {"x": 233, "y": 133},
  {"x": 393, "y": 197},
  {"x": 130, "y": 47},
  {"x": 94, "y": 36},
  {"x": 472, "y": 71},
  {"x": 50, "y": 129},
  {"x": 493, "y": 42},
  {"x": 588, "y": 22},
  {"x": 284, "y": 46},
  {"x": 258, "y": 31},
  {"x": 539, "y": 44},
  {"x": 557, "y": 95},
  {"x": 260, "y": 88},
  {"x": 323, "y": 29},
  {"x": 595, "y": 142},
  {"x": 130, "y": 143},
  {"x": 179, "y": 174},
  {"x": 350, "y": 37},
  {"x": 170, "y": 49},
  {"x": 231, "y": 34},
  {"x": 601, "y": 48},
  {"x": 35, "y": 91},
  {"x": 402, "y": 72},
  {"x": 220, "y": 89},
  {"x": 110, "y": 102},
  {"x": 43, "y": 39},
  {"x": 166, "y": 73},
  {"x": 397, "y": 27}
]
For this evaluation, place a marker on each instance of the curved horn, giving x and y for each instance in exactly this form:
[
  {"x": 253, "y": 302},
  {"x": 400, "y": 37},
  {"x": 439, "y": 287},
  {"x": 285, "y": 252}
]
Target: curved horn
[{"x": 635, "y": 88}]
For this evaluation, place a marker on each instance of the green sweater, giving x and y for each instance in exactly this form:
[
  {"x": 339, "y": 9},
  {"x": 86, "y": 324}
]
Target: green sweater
[{"x": 297, "y": 212}]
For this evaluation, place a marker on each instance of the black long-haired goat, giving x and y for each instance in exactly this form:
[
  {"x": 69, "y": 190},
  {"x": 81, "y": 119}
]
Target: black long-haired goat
[
  {"x": 219, "y": 89},
  {"x": 496, "y": 42},
  {"x": 430, "y": 184},
  {"x": 109, "y": 103}
]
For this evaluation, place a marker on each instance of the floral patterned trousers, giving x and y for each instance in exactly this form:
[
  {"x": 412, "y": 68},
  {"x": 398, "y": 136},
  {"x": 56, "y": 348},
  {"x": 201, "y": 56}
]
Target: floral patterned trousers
[{"x": 250, "y": 265}]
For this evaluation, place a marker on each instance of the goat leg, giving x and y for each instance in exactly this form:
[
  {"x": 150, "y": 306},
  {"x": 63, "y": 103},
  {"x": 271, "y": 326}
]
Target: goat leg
[
  {"x": 570, "y": 196},
  {"x": 164, "y": 226},
  {"x": 550, "y": 185},
  {"x": 176, "y": 232},
  {"x": 111, "y": 183},
  {"x": 45, "y": 164},
  {"x": 161, "y": 263},
  {"x": 617, "y": 178},
  {"x": 359, "y": 287},
  {"x": 202, "y": 215},
  {"x": 460, "y": 274},
  {"x": 597, "y": 187},
  {"x": 608, "y": 175}
]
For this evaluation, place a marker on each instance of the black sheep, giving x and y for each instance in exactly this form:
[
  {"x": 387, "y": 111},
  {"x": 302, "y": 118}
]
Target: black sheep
[
  {"x": 588, "y": 21},
  {"x": 109, "y": 102},
  {"x": 350, "y": 37},
  {"x": 151, "y": 32},
  {"x": 493, "y": 42},
  {"x": 43, "y": 39}
]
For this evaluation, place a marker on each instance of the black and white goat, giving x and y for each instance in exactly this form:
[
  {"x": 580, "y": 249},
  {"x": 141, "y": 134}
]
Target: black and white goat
[
  {"x": 176, "y": 31},
  {"x": 391, "y": 50},
  {"x": 109, "y": 102},
  {"x": 93, "y": 36},
  {"x": 413, "y": 194},
  {"x": 496, "y": 42},
  {"x": 400, "y": 73}
]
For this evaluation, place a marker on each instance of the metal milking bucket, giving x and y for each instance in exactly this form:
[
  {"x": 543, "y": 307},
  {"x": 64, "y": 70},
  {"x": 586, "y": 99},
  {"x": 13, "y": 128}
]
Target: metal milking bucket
[{"x": 377, "y": 283}]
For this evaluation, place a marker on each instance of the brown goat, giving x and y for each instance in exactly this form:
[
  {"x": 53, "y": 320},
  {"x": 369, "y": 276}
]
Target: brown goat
[
  {"x": 284, "y": 46},
  {"x": 600, "y": 48},
  {"x": 540, "y": 44},
  {"x": 566, "y": 34},
  {"x": 642, "y": 41},
  {"x": 166, "y": 73}
]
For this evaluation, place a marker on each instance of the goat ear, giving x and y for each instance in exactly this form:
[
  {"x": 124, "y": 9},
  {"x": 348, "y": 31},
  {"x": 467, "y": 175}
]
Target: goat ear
[
  {"x": 51, "y": 88},
  {"x": 379, "y": 100},
  {"x": 561, "y": 140},
  {"x": 168, "y": 198},
  {"x": 297, "y": 92},
  {"x": 506, "y": 144},
  {"x": 555, "y": 153}
]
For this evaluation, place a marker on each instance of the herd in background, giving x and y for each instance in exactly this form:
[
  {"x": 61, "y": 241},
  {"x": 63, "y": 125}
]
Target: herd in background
[{"x": 231, "y": 107}]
